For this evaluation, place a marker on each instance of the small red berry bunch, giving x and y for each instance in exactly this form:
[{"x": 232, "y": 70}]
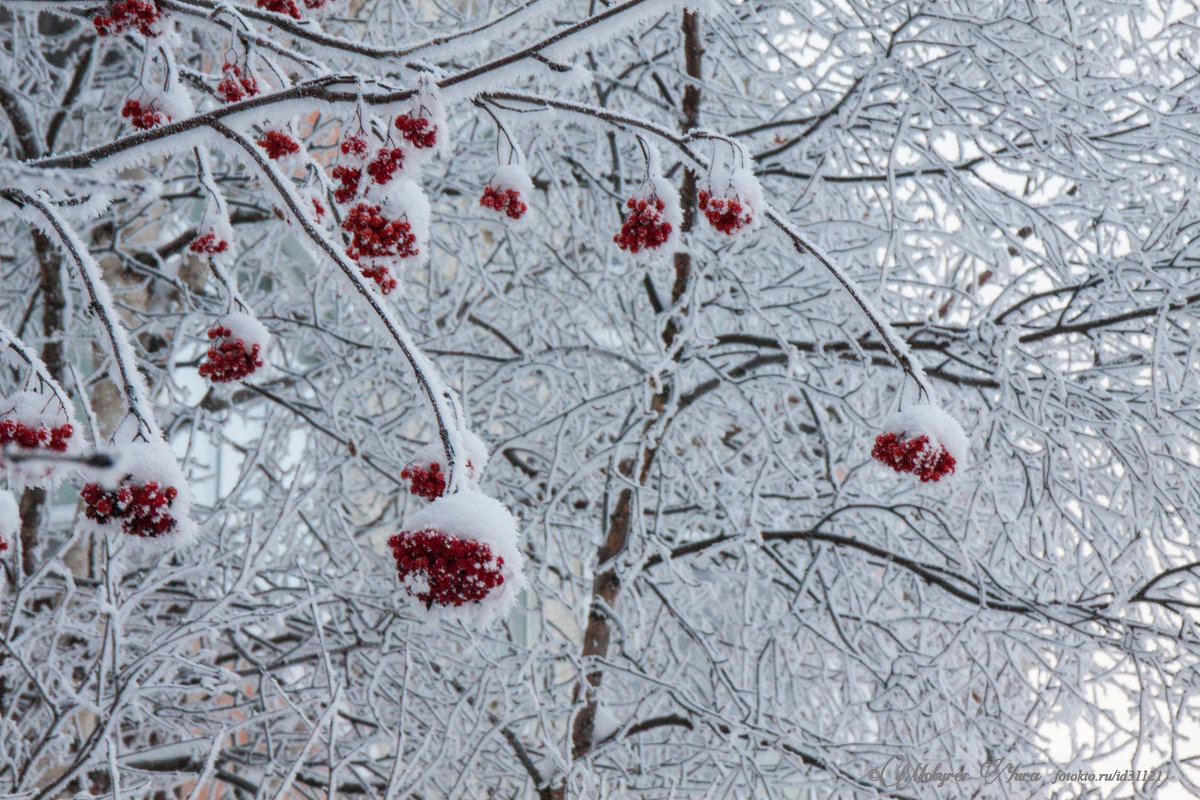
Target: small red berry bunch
[
  {"x": 144, "y": 16},
  {"x": 286, "y": 7},
  {"x": 373, "y": 238},
  {"x": 35, "y": 437},
  {"x": 143, "y": 116},
  {"x": 726, "y": 214},
  {"x": 915, "y": 454},
  {"x": 646, "y": 226},
  {"x": 417, "y": 130},
  {"x": 208, "y": 244},
  {"x": 230, "y": 358},
  {"x": 425, "y": 480},
  {"x": 143, "y": 509},
  {"x": 354, "y": 153},
  {"x": 235, "y": 85},
  {"x": 438, "y": 568},
  {"x": 504, "y": 201},
  {"x": 278, "y": 144},
  {"x": 385, "y": 164}
]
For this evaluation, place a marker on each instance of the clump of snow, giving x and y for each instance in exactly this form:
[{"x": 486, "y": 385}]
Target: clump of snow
[
  {"x": 472, "y": 515},
  {"x": 474, "y": 450},
  {"x": 929, "y": 420},
  {"x": 47, "y": 413},
  {"x": 10, "y": 519},
  {"x": 513, "y": 176},
  {"x": 245, "y": 327},
  {"x": 402, "y": 198}
]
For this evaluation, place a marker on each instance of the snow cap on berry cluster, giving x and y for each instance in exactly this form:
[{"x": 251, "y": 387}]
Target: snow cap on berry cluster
[
  {"x": 227, "y": 361},
  {"x": 31, "y": 422},
  {"x": 427, "y": 105},
  {"x": 924, "y": 419},
  {"x": 473, "y": 516},
  {"x": 642, "y": 207},
  {"x": 143, "y": 463},
  {"x": 245, "y": 327},
  {"x": 10, "y": 519},
  {"x": 282, "y": 146},
  {"x": 508, "y": 191},
  {"x": 214, "y": 234}
]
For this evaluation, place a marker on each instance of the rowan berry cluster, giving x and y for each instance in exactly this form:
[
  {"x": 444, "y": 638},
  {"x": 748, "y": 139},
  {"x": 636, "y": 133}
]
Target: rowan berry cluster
[
  {"x": 287, "y": 7},
  {"x": 39, "y": 437},
  {"x": 417, "y": 130},
  {"x": 348, "y": 177},
  {"x": 230, "y": 359},
  {"x": 208, "y": 244},
  {"x": 234, "y": 85},
  {"x": 142, "y": 508},
  {"x": 916, "y": 455},
  {"x": 278, "y": 144},
  {"x": 436, "y": 567},
  {"x": 385, "y": 164},
  {"x": 143, "y": 117},
  {"x": 726, "y": 214},
  {"x": 144, "y": 16},
  {"x": 505, "y": 201},
  {"x": 645, "y": 228},
  {"x": 375, "y": 236}
]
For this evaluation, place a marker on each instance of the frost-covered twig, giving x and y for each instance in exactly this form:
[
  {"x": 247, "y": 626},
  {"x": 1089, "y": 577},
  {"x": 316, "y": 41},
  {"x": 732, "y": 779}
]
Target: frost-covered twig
[{"x": 11, "y": 341}]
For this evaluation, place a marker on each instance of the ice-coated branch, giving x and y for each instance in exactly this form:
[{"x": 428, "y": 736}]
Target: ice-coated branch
[
  {"x": 442, "y": 400},
  {"x": 11, "y": 341},
  {"x": 896, "y": 346},
  {"x": 132, "y": 384}
]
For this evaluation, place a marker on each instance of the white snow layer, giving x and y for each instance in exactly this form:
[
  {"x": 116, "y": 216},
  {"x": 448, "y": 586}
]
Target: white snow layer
[
  {"x": 474, "y": 449},
  {"x": 929, "y": 420}
]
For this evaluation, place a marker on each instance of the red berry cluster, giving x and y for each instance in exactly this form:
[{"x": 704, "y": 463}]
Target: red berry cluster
[
  {"x": 507, "y": 201},
  {"x": 644, "y": 228},
  {"x": 278, "y": 144},
  {"x": 427, "y": 481},
  {"x": 348, "y": 177},
  {"x": 355, "y": 145},
  {"x": 913, "y": 455},
  {"x": 314, "y": 3},
  {"x": 142, "y": 15},
  {"x": 382, "y": 277},
  {"x": 3, "y": 544},
  {"x": 234, "y": 85},
  {"x": 376, "y": 236},
  {"x": 33, "y": 438},
  {"x": 726, "y": 214},
  {"x": 287, "y": 7},
  {"x": 385, "y": 164},
  {"x": 456, "y": 571},
  {"x": 230, "y": 360},
  {"x": 209, "y": 244},
  {"x": 142, "y": 508},
  {"x": 417, "y": 130},
  {"x": 142, "y": 117}
]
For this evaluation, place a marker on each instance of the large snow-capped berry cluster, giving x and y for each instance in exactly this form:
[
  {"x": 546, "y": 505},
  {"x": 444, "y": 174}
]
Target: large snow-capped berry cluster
[
  {"x": 239, "y": 343},
  {"x": 151, "y": 501},
  {"x": 459, "y": 557},
  {"x": 30, "y": 422},
  {"x": 505, "y": 193},
  {"x": 10, "y": 519},
  {"x": 922, "y": 440},
  {"x": 236, "y": 83},
  {"x": 732, "y": 201},
  {"x": 144, "y": 16},
  {"x": 426, "y": 471}
]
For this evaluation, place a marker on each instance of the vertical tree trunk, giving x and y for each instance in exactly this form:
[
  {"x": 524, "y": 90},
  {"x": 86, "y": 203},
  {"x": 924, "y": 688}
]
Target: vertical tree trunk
[{"x": 607, "y": 584}]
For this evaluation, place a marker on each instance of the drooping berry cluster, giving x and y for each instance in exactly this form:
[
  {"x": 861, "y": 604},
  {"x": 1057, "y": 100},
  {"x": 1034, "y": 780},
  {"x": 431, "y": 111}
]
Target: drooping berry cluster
[
  {"x": 287, "y": 7},
  {"x": 354, "y": 149},
  {"x": 235, "y": 85},
  {"x": 436, "y": 567},
  {"x": 726, "y": 214},
  {"x": 427, "y": 480},
  {"x": 646, "y": 227},
  {"x": 208, "y": 244},
  {"x": 144, "y": 16},
  {"x": 374, "y": 237},
  {"x": 142, "y": 508},
  {"x": 230, "y": 359},
  {"x": 143, "y": 117},
  {"x": 417, "y": 130},
  {"x": 916, "y": 455},
  {"x": 39, "y": 437},
  {"x": 278, "y": 144},
  {"x": 385, "y": 164},
  {"x": 505, "y": 201}
]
